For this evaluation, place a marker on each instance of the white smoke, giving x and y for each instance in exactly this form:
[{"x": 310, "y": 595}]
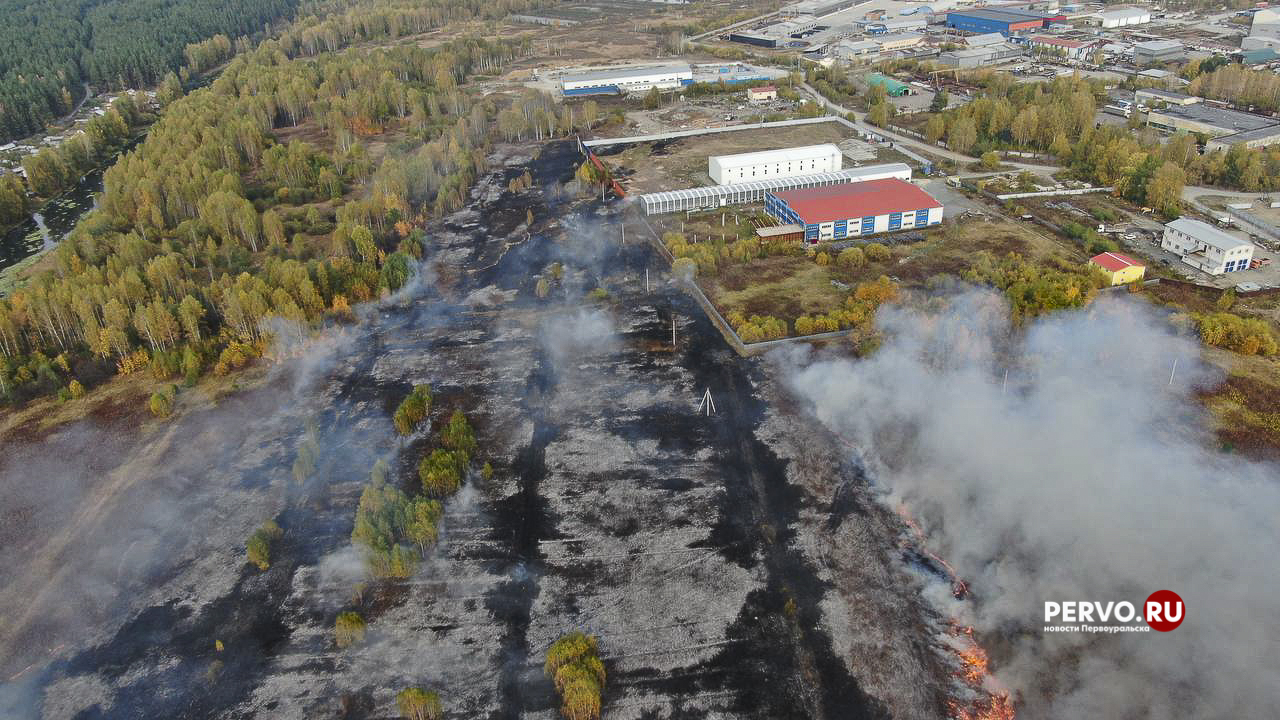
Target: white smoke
[
  {"x": 570, "y": 337},
  {"x": 1086, "y": 475}
]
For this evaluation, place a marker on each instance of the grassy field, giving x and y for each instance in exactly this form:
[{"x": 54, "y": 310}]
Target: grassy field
[{"x": 789, "y": 286}]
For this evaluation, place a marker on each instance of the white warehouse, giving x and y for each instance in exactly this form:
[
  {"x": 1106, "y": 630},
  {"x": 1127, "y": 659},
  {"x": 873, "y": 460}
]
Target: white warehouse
[
  {"x": 1205, "y": 247},
  {"x": 1121, "y": 17},
  {"x": 768, "y": 164},
  {"x": 621, "y": 80}
]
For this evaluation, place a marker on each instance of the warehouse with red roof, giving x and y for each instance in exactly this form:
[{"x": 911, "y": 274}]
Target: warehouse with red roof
[{"x": 837, "y": 212}]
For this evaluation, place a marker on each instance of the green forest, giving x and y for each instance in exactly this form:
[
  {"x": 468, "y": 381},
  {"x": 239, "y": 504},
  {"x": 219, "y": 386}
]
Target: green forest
[
  {"x": 216, "y": 221},
  {"x": 291, "y": 188},
  {"x": 49, "y": 49}
]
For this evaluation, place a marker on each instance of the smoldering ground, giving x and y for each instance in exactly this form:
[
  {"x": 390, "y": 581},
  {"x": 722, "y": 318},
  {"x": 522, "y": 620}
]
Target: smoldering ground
[{"x": 1087, "y": 474}]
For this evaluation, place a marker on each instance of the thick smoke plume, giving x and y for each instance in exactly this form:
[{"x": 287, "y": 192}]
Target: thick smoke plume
[{"x": 1087, "y": 474}]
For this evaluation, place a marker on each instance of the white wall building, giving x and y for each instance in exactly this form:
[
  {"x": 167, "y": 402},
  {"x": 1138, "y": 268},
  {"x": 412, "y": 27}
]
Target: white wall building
[
  {"x": 1122, "y": 17},
  {"x": 627, "y": 79},
  {"x": 787, "y": 162},
  {"x": 1205, "y": 247}
]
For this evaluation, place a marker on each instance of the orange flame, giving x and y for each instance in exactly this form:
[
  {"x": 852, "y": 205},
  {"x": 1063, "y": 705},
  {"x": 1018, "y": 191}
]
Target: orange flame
[{"x": 992, "y": 703}]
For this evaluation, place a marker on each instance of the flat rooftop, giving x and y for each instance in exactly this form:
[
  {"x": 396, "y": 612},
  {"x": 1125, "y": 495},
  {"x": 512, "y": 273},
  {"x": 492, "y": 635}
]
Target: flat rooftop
[
  {"x": 861, "y": 199},
  {"x": 1158, "y": 45},
  {"x": 1231, "y": 121},
  {"x": 1001, "y": 14},
  {"x": 630, "y": 71}
]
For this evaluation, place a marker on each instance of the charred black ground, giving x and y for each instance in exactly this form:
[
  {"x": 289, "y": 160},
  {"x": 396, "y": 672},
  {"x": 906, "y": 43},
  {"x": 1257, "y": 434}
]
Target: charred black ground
[{"x": 698, "y": 548}]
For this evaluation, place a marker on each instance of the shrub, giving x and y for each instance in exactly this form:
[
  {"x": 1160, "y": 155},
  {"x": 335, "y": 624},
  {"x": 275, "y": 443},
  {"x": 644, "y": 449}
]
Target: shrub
[
  {"x": 260, "y": 542},
  {"x": 161, "y": 401},
  {"x": 419, "y": 704},
  {"x": 1247, "y": 336},
  {"x": 235, "y": 356},
  {"x": 876, "y": 252},
  {"x": 348, "y": 629},
  {"x": 684, "y": 269},
  {"x": 441, "y": 472},
  {"x": 412, "y": 410},
  {"x": 458, "y": 434},
  {"x": 75, "y": 390},
  {"x": 574, "y": 667},
  {"x": 851, "y": 258}
]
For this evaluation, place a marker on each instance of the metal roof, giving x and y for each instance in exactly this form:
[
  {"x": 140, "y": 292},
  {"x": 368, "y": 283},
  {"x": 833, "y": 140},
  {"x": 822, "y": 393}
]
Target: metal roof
[
  {"x": 1114, "y": 261},
  {"x": 1207, "y": 234},
  {"x": 623, "y": 73},
  {"x": 863, "y": 199},
  {"x": 711, "y": 195},
  {"x": 1158, "y": 45},
  {"x": 803, "y": 152}
]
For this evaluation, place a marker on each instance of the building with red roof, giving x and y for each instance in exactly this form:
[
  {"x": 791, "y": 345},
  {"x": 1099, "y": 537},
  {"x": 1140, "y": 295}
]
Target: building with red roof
[
  {"x": 836, "y": 212},
  {"x": 1122, "y": 269}
]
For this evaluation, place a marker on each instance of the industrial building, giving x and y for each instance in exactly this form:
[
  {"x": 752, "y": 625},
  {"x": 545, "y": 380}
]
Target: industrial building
[
  {"x": 1152, "y": 97},
  {"x": 1121, "y": 269},
  {"x": 762, "y": 94},
  {"x": 898, "y": 41},
  {"x": 715, "y": 196},
  {"x": 1006, "y": 21},
  {"x": 1224, "y": 127},
  {"x": 972, "y": 57},
  {"x": 1157, "y": 52},
  {"x": 891, "y": 87},
  {"x": 1123, "y": 17},
  {"x": 630, "y": 79},
  {"x": 1205, "y": 247},
  {"x": 855, "y": 209},
  {"x": 787, "y": 162},
  {"x": 1072, "y": 49}
]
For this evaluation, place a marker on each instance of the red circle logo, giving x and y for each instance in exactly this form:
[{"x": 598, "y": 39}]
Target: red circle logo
[{"x": 1163, "y": 610}]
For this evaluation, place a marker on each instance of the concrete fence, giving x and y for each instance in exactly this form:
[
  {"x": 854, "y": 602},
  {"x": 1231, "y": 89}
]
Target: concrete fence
[{"x": 1051, "y": 193}]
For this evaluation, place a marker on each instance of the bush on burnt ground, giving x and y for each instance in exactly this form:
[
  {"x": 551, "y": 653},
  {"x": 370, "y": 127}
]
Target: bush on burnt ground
[
  {"x": 260, "y": 543},
  {"x": 574, "y": 666}
]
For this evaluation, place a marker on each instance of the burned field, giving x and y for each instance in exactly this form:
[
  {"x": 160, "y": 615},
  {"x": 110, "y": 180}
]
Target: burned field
[{"x": 733, "y": 565}]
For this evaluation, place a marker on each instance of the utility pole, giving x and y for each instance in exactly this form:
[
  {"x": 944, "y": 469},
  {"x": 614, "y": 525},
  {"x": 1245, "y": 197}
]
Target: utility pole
[
  {"x": 646, "y": 279},
  {"x": 1173, "y": 370},
  {"x": 707, "y": 405},
  {"x": 624, "y": 232},
  {"x": 673, "y": 331}
]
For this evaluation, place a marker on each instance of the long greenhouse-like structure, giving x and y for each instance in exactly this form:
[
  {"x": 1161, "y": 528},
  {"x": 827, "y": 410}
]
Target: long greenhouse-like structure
[{"x": 714, "y": 196}]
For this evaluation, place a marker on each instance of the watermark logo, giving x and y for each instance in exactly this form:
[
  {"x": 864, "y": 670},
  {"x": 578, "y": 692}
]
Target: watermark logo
[{"x": 1162, "y": 611}]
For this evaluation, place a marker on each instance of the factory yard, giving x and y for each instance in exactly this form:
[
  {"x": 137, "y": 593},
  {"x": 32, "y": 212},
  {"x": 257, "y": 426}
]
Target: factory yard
[{"x": 682, "y": 162}]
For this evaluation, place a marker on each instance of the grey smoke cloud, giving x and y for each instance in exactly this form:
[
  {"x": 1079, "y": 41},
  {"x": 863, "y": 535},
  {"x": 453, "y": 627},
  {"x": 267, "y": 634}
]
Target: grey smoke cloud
[{"x": 1086, "y": 476}]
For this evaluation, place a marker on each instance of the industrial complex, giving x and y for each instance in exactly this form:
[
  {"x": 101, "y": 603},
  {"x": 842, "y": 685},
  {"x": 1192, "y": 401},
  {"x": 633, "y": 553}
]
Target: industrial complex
[
  {"x": 715, "y": 196},
  {"x": 628, "y": 79},
  {"x": 855, "y": 209},
  {"x": 1205, "y": 247},
  {"x": 731, "y": 169}
]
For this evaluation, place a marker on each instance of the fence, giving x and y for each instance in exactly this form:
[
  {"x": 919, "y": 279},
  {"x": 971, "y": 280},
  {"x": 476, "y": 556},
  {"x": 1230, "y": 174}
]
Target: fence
[
  {"x": 1251, "y": 223},
  {"x": 1051, "y": 193},
  {"x": 731, "y": 335},
  {"x": 1263, "y": 292}
]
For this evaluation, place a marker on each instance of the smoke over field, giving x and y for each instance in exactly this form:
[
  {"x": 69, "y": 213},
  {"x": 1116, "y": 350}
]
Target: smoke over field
[{"x": 1084, "y": 473}]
